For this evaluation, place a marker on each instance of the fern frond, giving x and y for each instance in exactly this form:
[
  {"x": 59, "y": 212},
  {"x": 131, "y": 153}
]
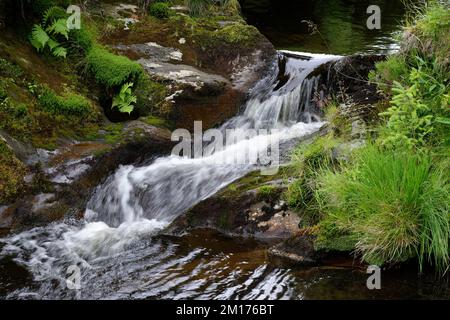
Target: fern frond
[
  {"x": 59, "y": 52},
  {"x": 59, "y": 27},
  {"x": 39, "y": 37},
  {"x": 53, "y": 13}
]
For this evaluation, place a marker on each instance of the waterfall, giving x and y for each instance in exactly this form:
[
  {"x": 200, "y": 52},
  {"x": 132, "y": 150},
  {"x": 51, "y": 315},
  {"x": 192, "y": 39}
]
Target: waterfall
[{"x": 137, "y": 202}]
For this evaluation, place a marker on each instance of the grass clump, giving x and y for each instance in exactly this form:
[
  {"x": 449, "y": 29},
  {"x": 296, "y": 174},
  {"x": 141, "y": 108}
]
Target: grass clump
[
  {"x": 111, "y": 70},
  {"x": 394, "y": 203}
]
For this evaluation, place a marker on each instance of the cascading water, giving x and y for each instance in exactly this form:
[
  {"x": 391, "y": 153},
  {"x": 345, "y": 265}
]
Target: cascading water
[{"x": 137, "y": 202}]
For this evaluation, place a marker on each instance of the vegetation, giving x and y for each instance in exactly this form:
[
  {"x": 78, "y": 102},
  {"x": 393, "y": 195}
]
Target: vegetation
[
  {"x": 160, "y": 10},
  {"x": 125, "y": 99},
  {"x": 12, "y": 172},
  {"x": 109, "y": 69},
  {"x": 69, "y": 104},
  {"x": 47, "y": 34},
  {"x": 388, "y": 201}
]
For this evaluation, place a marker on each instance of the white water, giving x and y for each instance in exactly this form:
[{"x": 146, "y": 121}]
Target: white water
[{"x": 137, "y": 202}]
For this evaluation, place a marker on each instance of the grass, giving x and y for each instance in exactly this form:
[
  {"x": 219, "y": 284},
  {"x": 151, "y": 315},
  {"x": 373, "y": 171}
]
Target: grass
[{"x": 395, "y": 203}]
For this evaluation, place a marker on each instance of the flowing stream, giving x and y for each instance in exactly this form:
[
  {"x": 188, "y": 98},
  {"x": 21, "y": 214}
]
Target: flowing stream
[{"x": 119, "y": 237}]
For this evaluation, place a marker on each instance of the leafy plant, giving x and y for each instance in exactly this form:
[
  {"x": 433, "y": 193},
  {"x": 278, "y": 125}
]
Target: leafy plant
[
  {"x": 125, "y": 99},
  {"x": 395, "y": 204},
  {"x": 45, "y": 35},
  {"x": 160, "y": 10}
]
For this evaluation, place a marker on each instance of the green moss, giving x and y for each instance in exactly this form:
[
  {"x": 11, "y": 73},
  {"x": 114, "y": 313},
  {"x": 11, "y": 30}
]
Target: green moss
[
  {"x": 12, "y": 172},
  {"x": 9, "y": 70},
  {"x": 111, "y": 70},
  {"x": 113, "y": 133},
  {"x": 151, "y": 96},
  {"x": 157, "y": 122},
  {"x": 70, "y": 104},
  {"x": 269, "y": 193}
]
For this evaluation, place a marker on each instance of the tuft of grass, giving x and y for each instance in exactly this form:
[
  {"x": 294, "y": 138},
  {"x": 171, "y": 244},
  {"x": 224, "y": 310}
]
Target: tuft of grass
[{"x": 394, "y": 202}]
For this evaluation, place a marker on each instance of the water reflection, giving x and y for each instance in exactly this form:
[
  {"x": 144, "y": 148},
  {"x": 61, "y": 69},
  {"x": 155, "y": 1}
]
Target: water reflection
[{"x": 342, "y": 24}]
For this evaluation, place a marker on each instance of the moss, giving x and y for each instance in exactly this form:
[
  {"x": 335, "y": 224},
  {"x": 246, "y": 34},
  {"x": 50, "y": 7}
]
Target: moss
[
  {"x": 9, "y": 70},
  {"x": 269, "y": 193},
  {"x": 113, "y": 133},
  {"x": 150, "y": 96},
  {"x": 12, "y": 172},
  {"x": 157, "y": 122},
  {"x": 111, "y": 70},
  {"x": 70, "y": 104},
  {"x": 160, "y": 10}
]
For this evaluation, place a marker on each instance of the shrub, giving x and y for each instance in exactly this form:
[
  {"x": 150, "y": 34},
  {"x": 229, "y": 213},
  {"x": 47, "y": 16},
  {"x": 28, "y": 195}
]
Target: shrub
[
  {"x": 160, "y": 10},
  {"x": 394, "y": 203},
  {"x": 111, "y": 70},
  {"x": 70, "y": 104}
]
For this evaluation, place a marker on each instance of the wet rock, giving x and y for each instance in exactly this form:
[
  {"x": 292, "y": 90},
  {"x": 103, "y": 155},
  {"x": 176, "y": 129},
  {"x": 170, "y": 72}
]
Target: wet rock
[
  {"x": 296, "y": 251},
  {"x": 242, "y": 213},
  {"x": 74, "y": 170}
]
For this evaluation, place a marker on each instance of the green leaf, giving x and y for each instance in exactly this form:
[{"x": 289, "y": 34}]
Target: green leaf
[
  {"x": 443, "y": 120},
  {"x": 60, "y": 52},
  {"x": 52, "y": 44},
  {"x": 39, "y": 37},
  {"x": 59, "y": 27}
]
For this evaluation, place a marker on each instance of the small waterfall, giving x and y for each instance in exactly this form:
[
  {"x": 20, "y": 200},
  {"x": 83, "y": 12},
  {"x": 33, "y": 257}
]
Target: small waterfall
[
  {"x": 136, "y": 202},
  {"x": 172, "y": 185}
]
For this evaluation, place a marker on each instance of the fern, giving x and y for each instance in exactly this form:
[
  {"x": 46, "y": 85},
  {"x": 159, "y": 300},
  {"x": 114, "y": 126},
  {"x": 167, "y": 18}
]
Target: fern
[
  {"x": 39, "y": 38},
  {"x": 59, "y": 27},
  {"x": 60, "y": 52},
  {"x": 125, "y": 100}
]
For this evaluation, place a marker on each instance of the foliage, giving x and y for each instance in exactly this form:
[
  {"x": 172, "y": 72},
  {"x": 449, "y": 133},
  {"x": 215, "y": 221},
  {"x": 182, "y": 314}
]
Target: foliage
[
  {"x": 12, "y": 172},
  {"x": 395, "y": 203},
  {"x": 125, "y": 100},
  {"x": 9, "y": 70},
  {"x": 306, "y": 160},
  {"x": 109, "y": 69},
  {"x": 198, "y": 7},
  {"x": 150, "y": 96},
  {"x": 48, "y": 33},
  {"x": 268, "y": 193},
  {"x": 160, "y": 10},
  {"x": 412, "y": 118},
  {"x": 70, "y": 104}
]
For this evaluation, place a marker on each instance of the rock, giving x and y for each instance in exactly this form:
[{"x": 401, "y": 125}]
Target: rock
[
  {"x": 242, "y": 213},
  {"x": 298, "y": 251},
  {"x": 74, "y": 170}
]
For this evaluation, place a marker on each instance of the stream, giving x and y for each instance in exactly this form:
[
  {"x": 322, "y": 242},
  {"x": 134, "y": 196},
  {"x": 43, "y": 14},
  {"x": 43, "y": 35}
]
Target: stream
[{"x": 122, "y": 251}]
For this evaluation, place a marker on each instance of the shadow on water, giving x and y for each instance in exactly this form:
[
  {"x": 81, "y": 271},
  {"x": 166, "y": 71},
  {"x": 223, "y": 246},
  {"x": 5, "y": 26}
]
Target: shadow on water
[{"x": 341, "y": 24}]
